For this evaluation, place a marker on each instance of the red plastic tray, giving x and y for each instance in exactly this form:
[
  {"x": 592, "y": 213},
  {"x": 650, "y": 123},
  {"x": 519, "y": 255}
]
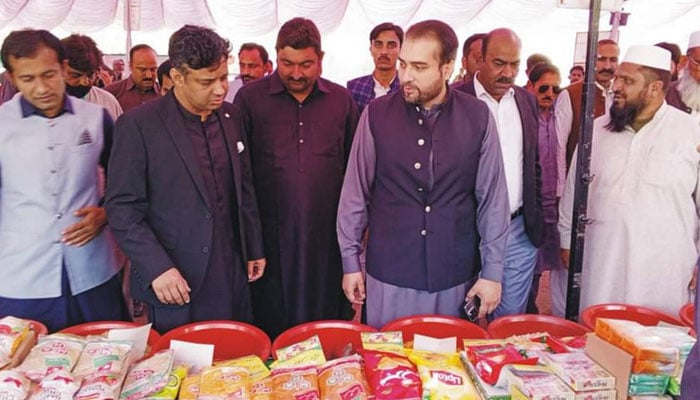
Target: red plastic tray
[
  {"x": 643, "y": 315},
  {"x": 687, "y": 314},
  {"x": 231, "y": 339},
  {"x": 521, "y": 324},
  {"x": 334, "y": 336},
  {"x": 100, "y": 327},
  {"x": 437, "y": 326},
  {"x": 38, "y": 327}
]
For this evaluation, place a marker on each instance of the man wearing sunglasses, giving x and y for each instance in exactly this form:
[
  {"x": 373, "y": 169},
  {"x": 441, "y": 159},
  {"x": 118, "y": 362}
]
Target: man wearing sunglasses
[
  {"x": 684, "y": 94},
  {"x": 543, "y": 82},
  {"x": 569, "y": 108}
]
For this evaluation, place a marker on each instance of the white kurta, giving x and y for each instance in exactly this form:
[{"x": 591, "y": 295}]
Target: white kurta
[{"x": 644, "y": 199}]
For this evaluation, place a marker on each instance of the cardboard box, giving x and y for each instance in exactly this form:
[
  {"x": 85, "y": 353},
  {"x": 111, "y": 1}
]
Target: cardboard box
[{"x": 613, "y": 359}]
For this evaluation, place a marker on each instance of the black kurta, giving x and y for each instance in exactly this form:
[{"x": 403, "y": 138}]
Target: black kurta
[{"x": 299, "y": 152}]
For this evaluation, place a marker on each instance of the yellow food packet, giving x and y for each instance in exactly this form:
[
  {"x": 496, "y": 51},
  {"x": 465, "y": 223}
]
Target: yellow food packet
[
  {"x": 262, "y": 389},
  {"x": 189, "y": 389},
  {"x": 443, "y": 376},
  {"x": 255, "y": 366},
  {"x": 383, "y": 341},
  {"x": 224, "y": 383},
  {"x": 177, "y": 377},
  {"x": 307, "y": 352}
]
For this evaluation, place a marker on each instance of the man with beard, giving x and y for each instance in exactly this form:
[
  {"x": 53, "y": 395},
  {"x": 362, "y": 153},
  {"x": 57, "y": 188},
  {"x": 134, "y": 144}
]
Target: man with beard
[
  {"x": 83, "y": 58},
  {"x": 253, "y": 63},
  {"x": 684, "y": 94},
  {"x": 426, "y": 177},
  {"x": 180, "y": 194},
  {"x": 543, "y": 83},
  {"x": 385, "y": 41},
  {"x": 141, "y": 86},
  {"x": 517, "y": 119},
  {"x": 569, "y": 108},
  {"x": 300, "y": 128},
  {"x": 471, "y": 58},
  {"x": 644, "y": 198}
]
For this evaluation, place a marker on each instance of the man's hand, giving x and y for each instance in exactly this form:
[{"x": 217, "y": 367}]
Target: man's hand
[
  {"x": 256, "y": 268},
  {"x": 490, "y": 294},
  {"x": 171, "y": 288},
  {"x": 83, "y": 231},
  {"x": 354, "y": 287},
  {"x": 565, "y": 257}
]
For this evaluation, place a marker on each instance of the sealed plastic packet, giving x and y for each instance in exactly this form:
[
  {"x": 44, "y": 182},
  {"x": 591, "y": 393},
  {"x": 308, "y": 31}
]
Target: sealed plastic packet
[
  {"x": 13, "y": 385},
  {"x": 343, "y": 379},
  {"x": 391, "y": 376},
  {"x": 53, "y": 352},
  {"x": 103, "y": 357},
  {"x": 58, "y": 385},
  {"x": 295, "y": 383},
  {"x": 255, "y": 366},
  {"x": 105, "y": 387},
  {"x": 383, "y": 341},
  {"x": 262, "y": 389},
  {"x": 443, "y": 376},
  {"x": 148, "y": 376},
  {"x": 12, "y": 332},
  {"x": 171, "y": 389},
  {"x": 224, "y": 383},
  {"x": 306, "y": 352},
  {"x": 189, "y": 389}
]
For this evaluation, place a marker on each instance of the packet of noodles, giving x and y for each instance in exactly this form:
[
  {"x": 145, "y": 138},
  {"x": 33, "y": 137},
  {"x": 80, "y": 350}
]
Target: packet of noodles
[
  {"x": 391, "y": 376},
  {"x": 255, "y": 366},
  {"x": 148, "y": 376},
  {"x": 169, "y": 392},
  {"x": 189, "y": 390},
  {"x": 103, "y": 357},
  {"x": 105, "y": 387},
  {"x": 343, "y": 379},
  {"x": 13, "y": 385},
  {"x": 296, "y": 383},
  {"x": 12, "y": 332},
  {"x": 306, "y": 352},
  {"x": 262, "y": 389},
  {"x": 383, "y": 341},
  {"x": 443, "y": 376},
  {"x": 224, "y": 383},
  {"x": 53, "y": 352},
  {"x": 58, "y": 385}
]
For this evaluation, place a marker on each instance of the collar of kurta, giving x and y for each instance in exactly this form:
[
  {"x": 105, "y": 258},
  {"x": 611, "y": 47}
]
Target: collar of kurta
[
  {"x": 131, "y": 85},
  {"x": 28, "y": 108},
  {"x": 276, "y": 85}
]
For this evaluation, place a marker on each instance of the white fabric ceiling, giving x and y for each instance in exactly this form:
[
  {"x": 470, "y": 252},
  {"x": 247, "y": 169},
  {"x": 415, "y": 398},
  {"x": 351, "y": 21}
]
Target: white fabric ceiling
[{"x": 345, "y": 24}]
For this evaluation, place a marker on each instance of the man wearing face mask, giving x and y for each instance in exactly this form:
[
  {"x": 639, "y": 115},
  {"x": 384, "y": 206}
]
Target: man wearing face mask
[{"x": 83, "y": 58}]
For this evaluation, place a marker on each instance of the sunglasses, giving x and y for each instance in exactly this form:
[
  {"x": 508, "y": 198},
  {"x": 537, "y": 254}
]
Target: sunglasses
[{"x": 545, "y": 88}]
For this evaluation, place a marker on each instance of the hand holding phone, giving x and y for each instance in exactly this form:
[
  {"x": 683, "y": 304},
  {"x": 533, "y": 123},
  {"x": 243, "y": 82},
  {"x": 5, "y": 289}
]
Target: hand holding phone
[{"x": 471, "y": 308}]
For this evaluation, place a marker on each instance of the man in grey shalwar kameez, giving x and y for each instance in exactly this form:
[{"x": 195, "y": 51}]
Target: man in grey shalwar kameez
[{"x": 425, "y": 175}]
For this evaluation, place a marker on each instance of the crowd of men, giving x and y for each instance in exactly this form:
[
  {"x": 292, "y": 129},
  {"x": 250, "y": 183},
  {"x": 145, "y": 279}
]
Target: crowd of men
[{"x": 281, "y": 197}]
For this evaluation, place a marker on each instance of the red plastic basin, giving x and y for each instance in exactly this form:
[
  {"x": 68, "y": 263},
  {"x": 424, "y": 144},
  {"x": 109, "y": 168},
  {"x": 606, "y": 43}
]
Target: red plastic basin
[
  {"x": 100, "y": 327},
  {"x": 231, "y": 339},
  {"x": 334, "y": 336},
  {"x": 687, "y": 314},
  {"x": 521, "y": 324},
  {"x": 643, "y": 315},
  {"x": 38, "y": 327},
  {"x": 437, "y": 326}
]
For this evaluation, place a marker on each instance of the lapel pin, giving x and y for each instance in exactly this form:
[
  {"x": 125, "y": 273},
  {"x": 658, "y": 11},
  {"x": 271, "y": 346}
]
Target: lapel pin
[{"x": 227, "y": 115}]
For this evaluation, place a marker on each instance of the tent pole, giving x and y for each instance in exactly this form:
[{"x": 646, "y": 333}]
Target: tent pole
[
  {"x": 583, "y": 177},
  {"x": 127, "y": 19}
]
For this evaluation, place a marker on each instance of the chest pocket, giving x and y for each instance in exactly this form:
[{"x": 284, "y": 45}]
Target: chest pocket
[
  {"x": 325, "y": 137},
  {"x": 666, "y": 169}
]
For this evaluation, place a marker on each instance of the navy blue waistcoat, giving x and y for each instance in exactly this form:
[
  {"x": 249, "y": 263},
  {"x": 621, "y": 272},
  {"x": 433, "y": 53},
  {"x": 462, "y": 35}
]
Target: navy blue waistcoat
[{"x": 424, "y": 235}]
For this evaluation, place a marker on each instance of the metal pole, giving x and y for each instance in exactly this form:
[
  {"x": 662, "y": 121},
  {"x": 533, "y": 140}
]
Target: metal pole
[
  {"x": 583, "y": 177},
  {"x": 127, "y": 21}
]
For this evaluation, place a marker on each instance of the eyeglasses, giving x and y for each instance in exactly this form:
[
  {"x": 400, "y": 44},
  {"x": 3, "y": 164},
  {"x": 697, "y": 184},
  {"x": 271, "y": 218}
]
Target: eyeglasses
[
  {"x": 695, "y": 63},
  {"x": 545, "y": 89}
]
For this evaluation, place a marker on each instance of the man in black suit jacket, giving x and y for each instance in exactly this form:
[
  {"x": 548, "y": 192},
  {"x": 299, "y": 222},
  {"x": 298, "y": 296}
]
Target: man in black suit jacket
[
  {"x": 515, "y": 112},
  {"x": 180, "y": 198}
]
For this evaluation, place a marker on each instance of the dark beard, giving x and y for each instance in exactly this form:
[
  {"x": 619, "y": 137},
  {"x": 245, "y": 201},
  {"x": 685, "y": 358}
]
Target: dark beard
[{"x": 621, "y": 117}]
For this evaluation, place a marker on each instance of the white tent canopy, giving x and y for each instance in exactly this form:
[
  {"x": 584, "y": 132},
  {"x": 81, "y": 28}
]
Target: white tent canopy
[{"x": 345, "y": 24}]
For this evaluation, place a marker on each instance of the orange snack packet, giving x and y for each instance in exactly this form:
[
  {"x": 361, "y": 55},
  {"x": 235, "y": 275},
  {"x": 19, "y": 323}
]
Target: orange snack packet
[
  {"x": 299, "y": 383},
  {"x": 343, "y": 379}
]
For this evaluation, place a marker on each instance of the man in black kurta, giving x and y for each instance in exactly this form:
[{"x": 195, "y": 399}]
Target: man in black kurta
[{"x": 300, "y": 130}]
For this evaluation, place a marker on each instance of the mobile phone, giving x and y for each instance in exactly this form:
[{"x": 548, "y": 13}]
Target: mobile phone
[{"x": 471, "y": 308}]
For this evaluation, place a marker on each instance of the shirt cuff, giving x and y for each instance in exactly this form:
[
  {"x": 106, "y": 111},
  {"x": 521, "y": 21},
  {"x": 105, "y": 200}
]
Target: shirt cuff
[
  {"x": 492, "y": 273},
  {"x": 351, "y": 264}
]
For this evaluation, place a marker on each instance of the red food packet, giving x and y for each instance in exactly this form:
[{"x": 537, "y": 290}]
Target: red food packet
[
  {"x": 488, "y": 360},
  {"x": 391, "y": 376},
  {"x": 574, "y": 342}
]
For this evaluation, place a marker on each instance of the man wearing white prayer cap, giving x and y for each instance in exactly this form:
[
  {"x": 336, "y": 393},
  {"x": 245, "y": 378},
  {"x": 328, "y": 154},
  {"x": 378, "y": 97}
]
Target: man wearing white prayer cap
[
  {"x": 644, "y": 198},
  {"x": 684, "y": 94}
]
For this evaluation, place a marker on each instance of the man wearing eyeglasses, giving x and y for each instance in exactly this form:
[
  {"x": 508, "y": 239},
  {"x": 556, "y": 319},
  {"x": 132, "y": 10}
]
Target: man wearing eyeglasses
[
  {"x": 543, "y": 82},
  {"x": 684, "y": 94},
  {"x": 569, "y": 107}
]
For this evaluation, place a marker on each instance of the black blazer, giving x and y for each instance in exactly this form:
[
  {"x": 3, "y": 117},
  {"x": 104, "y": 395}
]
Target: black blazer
[
  {"x": 532, "y": 170},
  {"x": 156, "y": 200}
]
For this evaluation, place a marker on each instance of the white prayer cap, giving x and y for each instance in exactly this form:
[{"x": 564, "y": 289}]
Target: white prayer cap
[
  {"x": 694, "y": 40},
  {"x": 649, "y": 56}
]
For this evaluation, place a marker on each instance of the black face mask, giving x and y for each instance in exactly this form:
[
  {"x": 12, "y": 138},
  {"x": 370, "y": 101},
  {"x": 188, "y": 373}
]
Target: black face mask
[{"x": 78, "y": 91}]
